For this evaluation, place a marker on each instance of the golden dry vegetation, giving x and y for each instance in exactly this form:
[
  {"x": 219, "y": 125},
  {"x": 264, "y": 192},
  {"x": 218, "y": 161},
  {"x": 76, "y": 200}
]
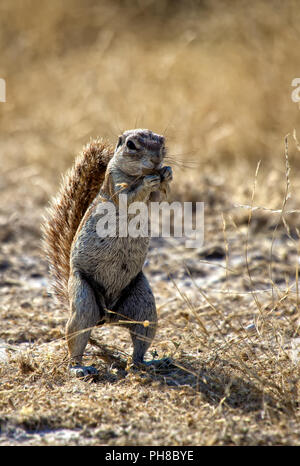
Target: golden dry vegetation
[{"x": 215, "y": 78}]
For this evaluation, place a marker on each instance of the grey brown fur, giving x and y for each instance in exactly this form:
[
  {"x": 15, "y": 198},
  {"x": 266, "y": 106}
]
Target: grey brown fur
[{"x": 103, "y": 280}]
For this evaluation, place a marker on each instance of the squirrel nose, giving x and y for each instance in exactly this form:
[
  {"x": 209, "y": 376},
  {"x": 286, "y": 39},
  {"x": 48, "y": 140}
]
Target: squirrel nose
[{"x": 155, "y": 158}]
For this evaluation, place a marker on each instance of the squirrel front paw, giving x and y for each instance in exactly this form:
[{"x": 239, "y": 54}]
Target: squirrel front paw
[
  {"x": 152, "y": 182},
  {"x": 166, "y": 174}
]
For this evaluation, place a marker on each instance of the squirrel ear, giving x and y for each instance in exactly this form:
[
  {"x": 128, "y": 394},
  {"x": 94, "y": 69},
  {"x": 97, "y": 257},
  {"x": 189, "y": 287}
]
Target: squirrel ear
[{"x": 120, "y": 140}]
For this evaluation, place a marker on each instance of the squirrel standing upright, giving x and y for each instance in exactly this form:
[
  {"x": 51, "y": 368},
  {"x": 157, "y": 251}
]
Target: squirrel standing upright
[{"x": 100, "y": 279}]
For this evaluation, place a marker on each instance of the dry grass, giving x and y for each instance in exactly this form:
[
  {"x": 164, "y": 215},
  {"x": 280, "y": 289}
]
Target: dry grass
[{"x": 215, "y": 77}]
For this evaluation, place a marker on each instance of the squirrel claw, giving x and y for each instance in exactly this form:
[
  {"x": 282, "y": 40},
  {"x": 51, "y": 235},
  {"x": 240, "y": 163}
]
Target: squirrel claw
[
  {"x": 166, "y": 174},
  {"x": 83, "y": 371},
  {"x": 152, "y": 182}
]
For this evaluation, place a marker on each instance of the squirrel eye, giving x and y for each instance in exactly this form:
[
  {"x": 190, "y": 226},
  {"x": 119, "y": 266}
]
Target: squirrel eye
[{"x": 131, "y": 145}]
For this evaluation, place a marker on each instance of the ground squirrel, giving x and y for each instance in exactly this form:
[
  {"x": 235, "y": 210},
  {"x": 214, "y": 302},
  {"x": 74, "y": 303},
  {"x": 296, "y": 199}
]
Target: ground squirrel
[{"x": 101, "y": 279}]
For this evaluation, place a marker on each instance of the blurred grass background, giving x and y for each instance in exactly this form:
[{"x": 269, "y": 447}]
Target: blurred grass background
[{"x": 213, "y": 76}]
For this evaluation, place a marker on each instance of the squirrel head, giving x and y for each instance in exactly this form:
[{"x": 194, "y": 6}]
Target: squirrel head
[{"x": 139, "y": 152}]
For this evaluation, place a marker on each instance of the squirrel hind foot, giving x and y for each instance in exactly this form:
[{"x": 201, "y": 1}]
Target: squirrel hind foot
[{"x": 83, "y": 371}]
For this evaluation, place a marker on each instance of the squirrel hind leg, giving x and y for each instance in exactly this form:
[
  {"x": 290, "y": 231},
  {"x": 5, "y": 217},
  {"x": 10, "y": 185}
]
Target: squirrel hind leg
[
  {"x": 137, "y": 304},
  {"x": 85, "y": 314}
]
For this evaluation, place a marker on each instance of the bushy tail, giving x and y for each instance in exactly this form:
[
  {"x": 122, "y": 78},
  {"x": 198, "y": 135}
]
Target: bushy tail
[{"x": 78, "y": 189}]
